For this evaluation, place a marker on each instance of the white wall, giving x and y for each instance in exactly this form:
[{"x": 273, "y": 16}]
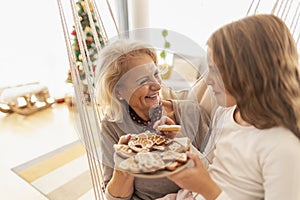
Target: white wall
[
  {"x": 32, "y": 46},
  {"x": 197, "y": 19}
]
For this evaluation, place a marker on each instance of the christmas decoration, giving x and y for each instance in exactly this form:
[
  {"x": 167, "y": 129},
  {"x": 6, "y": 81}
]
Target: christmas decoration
[{"x": 90, "y": 42}]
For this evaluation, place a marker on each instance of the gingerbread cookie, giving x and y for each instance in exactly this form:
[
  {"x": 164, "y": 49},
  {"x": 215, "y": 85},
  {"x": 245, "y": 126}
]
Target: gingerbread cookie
[
  {"x": 165, "y": 127},
  {"x": 148, "y": 153}
]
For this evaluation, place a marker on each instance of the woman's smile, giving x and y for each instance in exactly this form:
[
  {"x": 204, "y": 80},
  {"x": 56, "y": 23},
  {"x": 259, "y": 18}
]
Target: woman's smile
[{"x": 152, "y": 97}]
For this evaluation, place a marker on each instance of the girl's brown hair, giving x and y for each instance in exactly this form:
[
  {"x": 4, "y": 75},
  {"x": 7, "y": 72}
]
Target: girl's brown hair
[{"x": 258, "y": 60}]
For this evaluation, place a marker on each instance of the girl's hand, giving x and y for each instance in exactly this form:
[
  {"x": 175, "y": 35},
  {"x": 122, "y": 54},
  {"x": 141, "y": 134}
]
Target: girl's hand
[{"x": 196, "y": 179}]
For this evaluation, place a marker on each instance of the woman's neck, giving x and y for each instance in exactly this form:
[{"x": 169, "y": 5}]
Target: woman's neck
[
  {"x": 148, "y": 118},
  {"x": 143, "y": 115},
  {"x": 139, "y": 114}
]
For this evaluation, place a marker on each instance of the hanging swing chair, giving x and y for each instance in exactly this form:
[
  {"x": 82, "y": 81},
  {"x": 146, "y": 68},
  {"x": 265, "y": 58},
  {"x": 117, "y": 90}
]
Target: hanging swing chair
[{"x": 86, "y": 110}]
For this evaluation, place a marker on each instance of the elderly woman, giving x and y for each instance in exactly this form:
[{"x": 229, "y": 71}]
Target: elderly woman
[{"x": 128, "y": 87}]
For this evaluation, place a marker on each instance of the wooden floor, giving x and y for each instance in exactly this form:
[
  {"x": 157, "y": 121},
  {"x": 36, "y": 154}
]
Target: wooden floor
[{"x": 23, "y": 138}]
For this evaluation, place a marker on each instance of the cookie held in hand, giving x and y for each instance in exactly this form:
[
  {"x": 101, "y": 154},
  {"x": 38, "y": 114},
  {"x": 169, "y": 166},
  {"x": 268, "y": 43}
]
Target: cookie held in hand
[{"x": 175, "y": 128}]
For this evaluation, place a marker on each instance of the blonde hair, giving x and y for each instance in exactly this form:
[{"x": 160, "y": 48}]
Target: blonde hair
[
  {"x": 258, "y": 60},
  {"x": 113, "y": 64}
]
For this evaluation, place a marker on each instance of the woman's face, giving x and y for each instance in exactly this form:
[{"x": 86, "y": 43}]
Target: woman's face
[
  {"x": 214, "y": 79},
  {"x": 140, "y": 85}
]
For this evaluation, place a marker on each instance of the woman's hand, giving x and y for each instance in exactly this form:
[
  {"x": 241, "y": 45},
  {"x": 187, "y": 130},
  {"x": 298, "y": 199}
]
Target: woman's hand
[
  {"x": 166, "y": 121},
  {"x": 121, "y": 184},
  {"x": 196, "y": 179},
  {"x": 124, "y": 139}
]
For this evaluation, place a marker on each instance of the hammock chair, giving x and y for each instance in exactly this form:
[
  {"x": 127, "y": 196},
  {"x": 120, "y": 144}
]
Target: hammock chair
[{"x": 86, "y": 110}]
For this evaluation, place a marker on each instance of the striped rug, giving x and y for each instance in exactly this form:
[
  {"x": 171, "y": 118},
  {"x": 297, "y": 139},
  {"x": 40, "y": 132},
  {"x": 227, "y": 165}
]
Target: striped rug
[{"x": 62, "y": 174}]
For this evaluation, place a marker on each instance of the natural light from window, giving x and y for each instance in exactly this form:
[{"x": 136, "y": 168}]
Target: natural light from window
[{"x": 33, "y": 46}]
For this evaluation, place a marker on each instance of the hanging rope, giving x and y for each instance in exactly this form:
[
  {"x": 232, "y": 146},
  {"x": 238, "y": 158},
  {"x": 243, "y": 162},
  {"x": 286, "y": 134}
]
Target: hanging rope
[
  {"x": 296, "y": 24},
  {"x": 288, "y": 10},
  {"x": 295, "y": 15},
  {"x": 274, "y": 7},
  {"x": 87, "y": 112},
  {"x": 255, "y": 9},
  {"x": 248, "y": 11},
  {"x": 280, "y": 6},
  {"x": 285, "y": 9},
  {"x": 285, "y": 6},
  {"x": 86, "y": 115},
  {"x": 112, "y": 16}
]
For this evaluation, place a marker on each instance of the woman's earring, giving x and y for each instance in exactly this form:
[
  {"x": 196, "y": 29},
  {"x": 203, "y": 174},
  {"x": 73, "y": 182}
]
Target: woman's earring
[{"x": 120, "y": 98}]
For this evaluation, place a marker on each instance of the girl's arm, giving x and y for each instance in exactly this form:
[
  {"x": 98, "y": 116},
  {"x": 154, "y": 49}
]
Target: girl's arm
[{"x": 197, "y": 179}]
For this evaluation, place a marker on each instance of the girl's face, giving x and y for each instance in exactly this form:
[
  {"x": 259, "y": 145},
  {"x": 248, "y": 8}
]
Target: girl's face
[
  {"x": 140, "y": 85},
  {"x": 214, "y": 79}
]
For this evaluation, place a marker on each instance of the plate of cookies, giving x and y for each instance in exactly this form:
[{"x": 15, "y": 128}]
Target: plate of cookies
[{"x": 150, "y": 155}]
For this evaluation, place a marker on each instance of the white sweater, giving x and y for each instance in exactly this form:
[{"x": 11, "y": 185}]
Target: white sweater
[{"x": 248, "y": 163}]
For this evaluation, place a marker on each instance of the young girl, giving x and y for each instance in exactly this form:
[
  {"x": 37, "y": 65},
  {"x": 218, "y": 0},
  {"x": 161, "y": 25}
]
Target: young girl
[{"x": 254, "y": 147}]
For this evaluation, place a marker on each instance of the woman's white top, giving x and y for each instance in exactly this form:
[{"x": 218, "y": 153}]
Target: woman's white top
[{"x": 249, "y": 163}]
